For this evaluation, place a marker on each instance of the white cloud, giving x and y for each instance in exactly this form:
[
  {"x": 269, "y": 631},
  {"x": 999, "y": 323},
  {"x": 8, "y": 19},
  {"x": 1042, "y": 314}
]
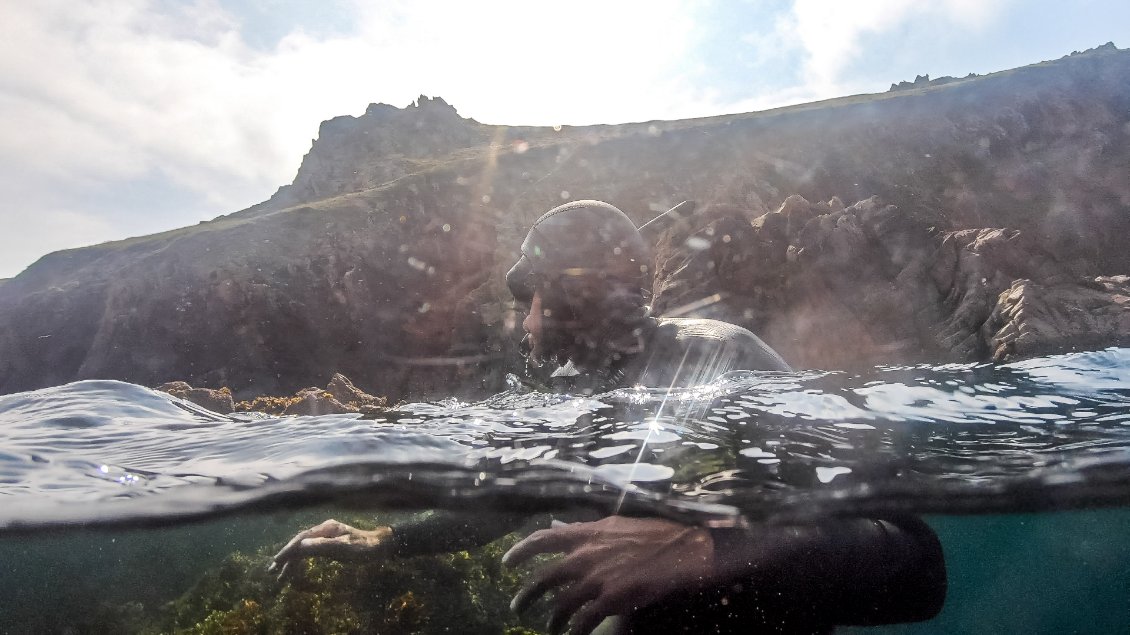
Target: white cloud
[
  {"x": 33, "y": 235},
  {"x": 114, "y": 91},
  {"x": 830, "y": 34},
  {"x": 109, "y": 93}
]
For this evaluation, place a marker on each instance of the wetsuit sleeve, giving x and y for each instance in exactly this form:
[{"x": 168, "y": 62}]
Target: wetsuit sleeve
[
  {"x": 845, "y": 571},
  {"x": 447, "y": 531}
]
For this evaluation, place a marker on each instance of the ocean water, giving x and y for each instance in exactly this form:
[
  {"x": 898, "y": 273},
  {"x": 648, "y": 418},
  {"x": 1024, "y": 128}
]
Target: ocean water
[{"x": 116, "y": 500}]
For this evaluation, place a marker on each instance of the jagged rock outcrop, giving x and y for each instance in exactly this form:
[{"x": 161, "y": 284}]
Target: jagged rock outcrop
[
  {"x": 384, "y": 259},
  {"x": 340, "y": 396},
  {"x": 214, "y": 399},
  {"x": 1039, "y": 319},
  {"x": 382, "y": 145}
]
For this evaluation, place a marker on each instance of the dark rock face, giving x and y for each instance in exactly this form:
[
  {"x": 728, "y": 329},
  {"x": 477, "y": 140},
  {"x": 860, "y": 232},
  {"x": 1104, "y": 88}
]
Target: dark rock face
[
  {"x": 264, "y": 306},
  {"x": 384, "y": 259},
  {"x": 836, "y": 287}
]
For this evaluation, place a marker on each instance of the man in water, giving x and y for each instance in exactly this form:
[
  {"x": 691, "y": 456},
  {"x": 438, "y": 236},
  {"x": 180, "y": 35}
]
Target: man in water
[{"x": 584, "y": 273}]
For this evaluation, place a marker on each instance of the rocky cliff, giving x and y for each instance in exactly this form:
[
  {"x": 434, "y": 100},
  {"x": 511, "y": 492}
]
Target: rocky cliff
[{"x": 904, "y": 226}]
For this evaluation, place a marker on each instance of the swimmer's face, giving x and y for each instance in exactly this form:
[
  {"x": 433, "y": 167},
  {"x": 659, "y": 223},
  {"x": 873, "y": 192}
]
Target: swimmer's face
[
  {"x": 554, "y": 332},
  {"x": 549, "y": 337}
]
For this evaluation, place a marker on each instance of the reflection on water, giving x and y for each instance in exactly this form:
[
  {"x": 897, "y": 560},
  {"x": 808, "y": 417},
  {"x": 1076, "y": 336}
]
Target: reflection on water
[
  {"x": 1047, "y": 433},
  {"x": 1042, "y": 435}
]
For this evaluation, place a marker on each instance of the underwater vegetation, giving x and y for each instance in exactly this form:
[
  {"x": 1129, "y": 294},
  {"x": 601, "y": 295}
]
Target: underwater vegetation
[{"x": 426, "y": 594}]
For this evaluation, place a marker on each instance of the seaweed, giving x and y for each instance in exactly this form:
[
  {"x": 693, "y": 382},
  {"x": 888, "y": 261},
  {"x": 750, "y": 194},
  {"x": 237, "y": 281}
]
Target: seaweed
[{"x": 467, "y": 590}]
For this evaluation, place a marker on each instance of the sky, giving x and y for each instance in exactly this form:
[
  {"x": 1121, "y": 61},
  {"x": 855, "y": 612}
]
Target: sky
[{"x": 120, "y": 118}]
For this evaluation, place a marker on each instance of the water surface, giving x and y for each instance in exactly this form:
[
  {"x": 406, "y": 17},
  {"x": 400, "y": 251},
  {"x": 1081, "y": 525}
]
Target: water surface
[{"x": 998, "y": 456}]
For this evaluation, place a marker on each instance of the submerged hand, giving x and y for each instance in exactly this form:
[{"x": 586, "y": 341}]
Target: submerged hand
[
  {"x": 332, "y": 539},
  {"x": 613, "y": 566}
]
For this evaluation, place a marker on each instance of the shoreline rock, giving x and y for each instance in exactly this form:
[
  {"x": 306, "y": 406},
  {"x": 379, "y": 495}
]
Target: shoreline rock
[
  {"x": 1032, "y": 319},
  {"x": 340, "y": 396}
]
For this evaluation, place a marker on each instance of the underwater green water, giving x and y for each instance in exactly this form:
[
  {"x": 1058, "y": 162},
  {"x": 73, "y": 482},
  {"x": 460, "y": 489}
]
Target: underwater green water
[{"x": 1065, "y": 572}]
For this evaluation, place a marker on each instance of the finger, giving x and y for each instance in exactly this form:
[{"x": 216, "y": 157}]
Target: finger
[
  {"x": 552, "y": 540},
  {"x": 285, "y": 572},
  {"x": 287, "y": 551},
  {"x": 548, "y": 578},
  {"x": 587, "y": 619},
  {"x": 614, "y": 625},
  {"x": 568, "y": 601},
  {"x": 327, "y": 528},
  {"x": 321, "y": 547}
]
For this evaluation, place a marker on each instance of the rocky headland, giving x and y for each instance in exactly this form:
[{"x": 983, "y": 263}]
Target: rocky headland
[{"x": 982, "y": 218}]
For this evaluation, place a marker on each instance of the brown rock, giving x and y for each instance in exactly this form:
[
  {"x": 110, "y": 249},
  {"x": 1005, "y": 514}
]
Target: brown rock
[
  {"x": 344, "y": 391},
  {"x": 315, "y": 401},
  {"x": 1033, "y": 319},
  {"x": 339, "y": 397},
  {"x": 219, "y": 400}
]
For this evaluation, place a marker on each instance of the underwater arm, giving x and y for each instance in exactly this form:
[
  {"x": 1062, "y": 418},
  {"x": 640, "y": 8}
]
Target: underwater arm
[
  {"x": 658, "y": 572},
  {"x": 854, "y": 571},
  {"x": 335, "y": 540},
  {"x": 446, "y": 531},
  {"x": 436, "y": 532}
]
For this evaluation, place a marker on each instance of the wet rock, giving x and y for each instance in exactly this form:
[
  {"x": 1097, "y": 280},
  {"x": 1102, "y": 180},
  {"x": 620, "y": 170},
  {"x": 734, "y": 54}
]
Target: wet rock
[
  {"x": 216, "y": 400},
  {"x": 315, "y": 401},
  {"x": 339, "y": 397},
  {"x": 1033, "y": 319},
  {"x": 344, "y": 391}
]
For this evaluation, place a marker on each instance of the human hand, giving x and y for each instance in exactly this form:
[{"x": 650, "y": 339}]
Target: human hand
[
  {"x": 613, "y": 566},
  {"x": 333, "y": 539}
]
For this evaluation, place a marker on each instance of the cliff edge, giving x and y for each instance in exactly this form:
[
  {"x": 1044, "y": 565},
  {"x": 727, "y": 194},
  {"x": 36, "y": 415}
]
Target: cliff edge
[{"x": 860, "y": 230}]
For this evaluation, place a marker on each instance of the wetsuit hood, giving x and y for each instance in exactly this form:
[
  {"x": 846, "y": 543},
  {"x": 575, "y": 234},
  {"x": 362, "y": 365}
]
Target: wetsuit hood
[{"x": 581, "y": 238}]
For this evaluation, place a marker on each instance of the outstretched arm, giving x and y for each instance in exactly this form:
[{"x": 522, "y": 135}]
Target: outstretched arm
[
  {"x": 435, "y": 532},
  {"x": 851, "y": 571}
]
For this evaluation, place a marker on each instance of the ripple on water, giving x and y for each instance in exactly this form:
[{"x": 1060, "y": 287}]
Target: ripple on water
[{"x": 968, "y": 435}]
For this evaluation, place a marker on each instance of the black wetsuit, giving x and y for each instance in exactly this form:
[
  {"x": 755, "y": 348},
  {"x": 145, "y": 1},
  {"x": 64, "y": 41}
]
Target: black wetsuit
[
  {"x": 833, "y": 572},
  {"x": 836, "y": 572}
]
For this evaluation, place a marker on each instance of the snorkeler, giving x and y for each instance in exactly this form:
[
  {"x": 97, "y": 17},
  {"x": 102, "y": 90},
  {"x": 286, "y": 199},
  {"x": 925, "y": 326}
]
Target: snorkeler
[{"x": 584, "y": 274}]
